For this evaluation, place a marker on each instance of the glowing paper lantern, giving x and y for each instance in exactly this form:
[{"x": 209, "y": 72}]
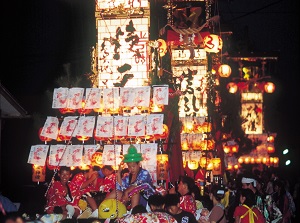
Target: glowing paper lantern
[
  {"x": 232, "y": 87},
  {"x": 212, "y": 43},
  {"x": 216, "y": 162},
  {"x": 38, "y": 173},
  {"x": 269, "y": 87},
  {"x": 224, "y": 70},
  {"x": 96, "y": 159},
  {"x": 162, "y": 166},
  {"x": 43, "y": 138}
]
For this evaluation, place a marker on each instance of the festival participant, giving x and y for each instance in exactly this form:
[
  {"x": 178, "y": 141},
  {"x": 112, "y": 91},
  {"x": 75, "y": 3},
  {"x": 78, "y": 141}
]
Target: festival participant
[
  {"x": 217, "y": 213},
  {"x": 172, "y": 205},
  {"x": 86, "y": 182},
  {"x": 63, "y": 195},
  {"x": 185, "y": 190},
  {"x": 106, "y": 179},
  {"x": 136, "y": 186},
  {"x": 246, "y": 212}
]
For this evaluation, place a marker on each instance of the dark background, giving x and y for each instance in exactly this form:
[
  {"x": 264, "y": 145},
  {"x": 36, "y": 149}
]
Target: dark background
[{"x": 39, "y": 37}]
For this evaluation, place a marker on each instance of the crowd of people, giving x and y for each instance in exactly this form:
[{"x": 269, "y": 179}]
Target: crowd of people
[{"x": 245, "y": 197}]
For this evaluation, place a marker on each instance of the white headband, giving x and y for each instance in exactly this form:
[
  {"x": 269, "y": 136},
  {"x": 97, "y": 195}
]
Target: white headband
[
  {"x": 248, "y": 181},
  {"x": 220, "y": 192}
]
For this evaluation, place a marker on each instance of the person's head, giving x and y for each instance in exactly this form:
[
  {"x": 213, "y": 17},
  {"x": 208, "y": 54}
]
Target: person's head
[
  {"x": 172, "y": 203},
  {"x": 278, "y": 186},
  {"x": 107, "y": 170},
  {"x": 217, "y": 192},
  {"x": 249, "y": 182},
  {"x": 156, "y": 202},
  {"x": 138, "y": 209},
  {"x": 247, "y": 197},
  {"x": 64, "y": 174},
  {"x": 186, "y": 185},
  {"x": 133, "y": 158},
  {"x": 134, "y": 167}
]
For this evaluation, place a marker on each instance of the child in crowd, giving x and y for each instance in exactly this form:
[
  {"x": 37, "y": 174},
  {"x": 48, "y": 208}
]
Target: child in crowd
[
  {"x": 136, "y": 186},
  {"x": 63, "y": 196},
  {"x": 172, "y": 205},
  {"x": 246, "y": 212}
]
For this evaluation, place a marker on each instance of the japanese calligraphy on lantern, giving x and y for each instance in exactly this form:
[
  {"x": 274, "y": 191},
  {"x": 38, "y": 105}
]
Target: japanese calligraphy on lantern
[
  {"x": 50, "y": 128},
  {"x": 122, "y": 52},
  {"x": 111, "y": 155},
  {"x": 89, "y": 150},
  {"x": 86, "y": 126},
  {"x": 104, "y": 126},
  {"x": 68, "y": 126},
  {"x": 75, "y": 97},
  {"x": 93, "y": 98},
  {"x": 60, "y": 96},
  {"x": 154, "y": 124},
  {"x": 160, "y": 95},
  {"x": 38, "y": 154},
  {"x": 136, "y": 125}
]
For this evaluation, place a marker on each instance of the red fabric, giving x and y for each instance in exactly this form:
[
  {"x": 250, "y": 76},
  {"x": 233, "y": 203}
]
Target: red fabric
[
  {"x": 56, "y": 196},
  {"x": 188, "y": 203},
  {"x": 107, "y": 184},
  {"x": 175, "y": 160},
  {"x": 78, "y": 180},
  {"x": 241, "y": 210}
]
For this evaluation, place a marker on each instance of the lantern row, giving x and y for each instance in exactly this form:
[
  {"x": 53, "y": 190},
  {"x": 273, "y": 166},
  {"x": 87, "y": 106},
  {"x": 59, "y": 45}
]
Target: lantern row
[
  {"x": 109, "y": 98},
  {"x": 104, "y": 127}
]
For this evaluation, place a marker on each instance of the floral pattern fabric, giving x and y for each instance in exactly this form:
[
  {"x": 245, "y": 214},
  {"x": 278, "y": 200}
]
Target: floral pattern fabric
[{"x": 58, "y": 196}]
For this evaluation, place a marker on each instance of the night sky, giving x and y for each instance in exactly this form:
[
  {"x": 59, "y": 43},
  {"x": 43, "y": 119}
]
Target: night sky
[{"x": 38, "y": 37}]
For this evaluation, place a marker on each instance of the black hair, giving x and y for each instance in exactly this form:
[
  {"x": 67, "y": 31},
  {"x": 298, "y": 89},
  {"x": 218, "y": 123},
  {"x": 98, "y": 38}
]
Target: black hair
[
  {"x": 190, "y": 182},
  {"x": 139, "y": 209},
  {"x": 171, "y": 200},
  {"x": 156, "y": 200},
  {"x": 108, "y": 167},
  {"x": 218, "y": 191},
  {"x": 249, "y": 195},
  {"x": 64, "y": 168}
]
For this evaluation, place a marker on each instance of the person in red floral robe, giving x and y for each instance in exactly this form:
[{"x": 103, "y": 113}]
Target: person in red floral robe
[{"x": 63, "y": 195}]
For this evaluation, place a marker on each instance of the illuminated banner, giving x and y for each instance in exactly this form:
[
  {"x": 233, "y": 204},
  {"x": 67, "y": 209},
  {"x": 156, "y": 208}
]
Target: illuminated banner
[{"x": 122, "y": 52}]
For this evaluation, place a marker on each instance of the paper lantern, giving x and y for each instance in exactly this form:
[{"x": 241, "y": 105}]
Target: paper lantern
[
  {"x": 226, "y": 149},
  {"x": 224, "y": 70},
  {"x": 82, "y": 138},
  {"x": 216, "y": 162},
  {"x": 66, "y": 110},
  {"x": 162, "y": 166},
  {"x": 203, "y": 161},
  {"x": 164, "y": 134},
  {"x": 83, "y": 110},
  {"x": 232, "y": 87},
  {"x": 96, "y": 159},
  {"x": 43, "y": 138},
  {"x": 270, "y": 148},
  {"x": 50, "y": 167},
  {"x": 235, "y": 148},
  {"x": 193, "y": 164},
  {"x": 269, "y": 87},
  {"x": 212, "y": 43},
  {"x": 38, "y": 173}
]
